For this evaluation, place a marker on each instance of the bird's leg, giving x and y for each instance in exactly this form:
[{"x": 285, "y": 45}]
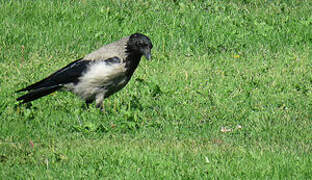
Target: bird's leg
[
  {"x": 88, "y": 102},
  {"x": 99, "y": 101}
]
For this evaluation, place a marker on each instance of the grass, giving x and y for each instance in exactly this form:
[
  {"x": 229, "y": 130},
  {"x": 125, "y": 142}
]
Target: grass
[{"x": 215, "y": 64}]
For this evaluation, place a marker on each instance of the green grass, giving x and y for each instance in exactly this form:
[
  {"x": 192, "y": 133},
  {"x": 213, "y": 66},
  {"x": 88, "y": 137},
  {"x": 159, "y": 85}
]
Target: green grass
[{"x": 215, "y": 64}]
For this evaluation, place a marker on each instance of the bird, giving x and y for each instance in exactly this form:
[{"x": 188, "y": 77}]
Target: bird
[{"x": 97, "y": 75}]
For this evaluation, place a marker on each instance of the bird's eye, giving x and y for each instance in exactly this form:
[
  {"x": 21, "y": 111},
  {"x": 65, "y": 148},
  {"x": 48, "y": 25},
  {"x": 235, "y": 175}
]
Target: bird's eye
[{"x": 140, "y": 44}]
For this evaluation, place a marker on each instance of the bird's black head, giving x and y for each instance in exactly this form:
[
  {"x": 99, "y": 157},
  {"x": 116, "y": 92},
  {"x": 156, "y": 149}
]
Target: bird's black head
[{"x": 140, "y": 44}]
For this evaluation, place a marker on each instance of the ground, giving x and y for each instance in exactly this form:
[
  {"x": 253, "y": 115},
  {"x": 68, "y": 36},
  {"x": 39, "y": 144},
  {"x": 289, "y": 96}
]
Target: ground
[{"x": 227, "y": 94}]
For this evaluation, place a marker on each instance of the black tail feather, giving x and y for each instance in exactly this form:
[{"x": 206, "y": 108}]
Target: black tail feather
[
  {"x": 43, "y": 83},
  {"x": 37, "y": 93}
]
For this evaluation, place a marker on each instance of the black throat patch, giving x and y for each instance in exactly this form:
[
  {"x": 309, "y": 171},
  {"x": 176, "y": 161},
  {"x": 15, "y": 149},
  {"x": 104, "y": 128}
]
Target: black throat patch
[{"x": 132, "y": 62}]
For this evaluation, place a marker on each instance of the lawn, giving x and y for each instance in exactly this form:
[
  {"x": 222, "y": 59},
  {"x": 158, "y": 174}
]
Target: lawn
[{"x": 228, "y": 93}]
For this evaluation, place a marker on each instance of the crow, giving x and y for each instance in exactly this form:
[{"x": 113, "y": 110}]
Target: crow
[{"x": 98, "y": 75}]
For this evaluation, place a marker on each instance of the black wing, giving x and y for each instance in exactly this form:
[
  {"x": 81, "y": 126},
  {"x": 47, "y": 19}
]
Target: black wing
[{"x": 68, "y": 74}]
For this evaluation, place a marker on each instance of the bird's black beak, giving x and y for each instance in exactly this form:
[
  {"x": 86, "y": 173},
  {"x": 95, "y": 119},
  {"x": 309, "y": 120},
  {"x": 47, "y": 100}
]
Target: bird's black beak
[{"x": 147, "y": 54}]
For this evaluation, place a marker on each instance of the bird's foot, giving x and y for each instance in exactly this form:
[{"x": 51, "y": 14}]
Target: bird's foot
[{"x": 101, "y": 107}]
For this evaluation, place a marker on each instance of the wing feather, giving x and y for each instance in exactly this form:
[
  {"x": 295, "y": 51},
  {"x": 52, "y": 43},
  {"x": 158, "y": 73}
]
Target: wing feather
[{"x": 68, "y": 74}]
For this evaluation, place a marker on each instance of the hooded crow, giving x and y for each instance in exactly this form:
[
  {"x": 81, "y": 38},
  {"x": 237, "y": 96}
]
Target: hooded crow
[{"x": 98, "y": 75}]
